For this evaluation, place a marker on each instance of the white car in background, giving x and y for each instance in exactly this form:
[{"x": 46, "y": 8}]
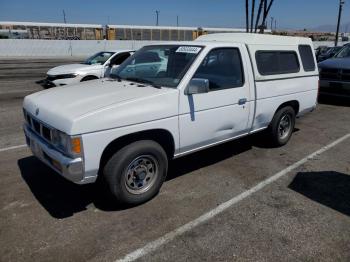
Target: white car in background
[{"x": 97, "y": 66}]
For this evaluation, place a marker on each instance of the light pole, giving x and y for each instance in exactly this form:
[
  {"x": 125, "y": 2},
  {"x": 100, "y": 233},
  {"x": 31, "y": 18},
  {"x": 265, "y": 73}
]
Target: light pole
[
  {"x": 341, "y": 2},
  {"x": 271, "y": 24},
  {"x": 157, "y": 14}
]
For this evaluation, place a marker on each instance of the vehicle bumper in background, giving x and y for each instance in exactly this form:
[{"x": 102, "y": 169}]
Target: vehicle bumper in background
[
  {"x": 70, "y": 168},
  {"x": 334, "y": 88},
  {"x": 47, "y": 83}
]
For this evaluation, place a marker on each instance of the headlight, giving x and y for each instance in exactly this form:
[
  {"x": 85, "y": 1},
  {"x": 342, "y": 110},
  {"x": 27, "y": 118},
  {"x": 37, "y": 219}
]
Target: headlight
[
  {"x": 72, "y": 145},
  {"x": 68, "y": 75},
  {"x": 64, "y": 76}
]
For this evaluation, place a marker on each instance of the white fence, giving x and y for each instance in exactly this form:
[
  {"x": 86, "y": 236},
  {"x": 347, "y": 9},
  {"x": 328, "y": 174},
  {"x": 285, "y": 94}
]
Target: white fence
[
  {"x": 327, "y": 43},
  {"x": 62, "y": 48},
  {"x": 76, "y": 48}
]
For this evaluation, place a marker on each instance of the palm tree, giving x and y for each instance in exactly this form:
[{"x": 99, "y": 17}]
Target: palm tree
[
  {"x": 247, "y": 15},
  {"x": 252, "y": 18}
]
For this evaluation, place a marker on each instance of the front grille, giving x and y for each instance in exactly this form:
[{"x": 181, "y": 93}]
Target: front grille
[
  {"x": 38, "y": 127},
  {"x": 335, "y": 74}
]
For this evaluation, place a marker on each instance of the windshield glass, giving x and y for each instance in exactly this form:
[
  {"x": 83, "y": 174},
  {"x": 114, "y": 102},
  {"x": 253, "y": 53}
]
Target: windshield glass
[
  {"x": 99, "y": 58},
  {"x": 161, "y": 65},
  {"x": 344, "y": 52}
]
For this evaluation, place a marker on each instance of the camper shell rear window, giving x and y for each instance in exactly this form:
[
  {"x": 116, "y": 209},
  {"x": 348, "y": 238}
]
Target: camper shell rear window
[
  {"x": 307, "y": 58},
  {"x": 277, "y": 62}
]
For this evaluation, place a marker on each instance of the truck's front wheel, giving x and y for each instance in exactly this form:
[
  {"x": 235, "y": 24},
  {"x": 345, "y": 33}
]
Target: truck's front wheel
[
  {"x": 282, "y": 126},
  {"x": 136, "y": 172}
]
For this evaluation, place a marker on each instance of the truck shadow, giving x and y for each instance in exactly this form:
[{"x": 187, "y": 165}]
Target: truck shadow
[
  {"x": 62, "y": 198},
  {"x": 328, "y": 188}
]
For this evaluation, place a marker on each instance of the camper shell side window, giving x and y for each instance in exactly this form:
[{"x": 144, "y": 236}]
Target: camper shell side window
[{"x": 277, "y": 62}]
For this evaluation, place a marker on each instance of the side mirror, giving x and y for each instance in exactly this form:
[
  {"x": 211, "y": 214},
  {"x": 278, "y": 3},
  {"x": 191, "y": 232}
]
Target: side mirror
[{"x": 197, "y": 86}]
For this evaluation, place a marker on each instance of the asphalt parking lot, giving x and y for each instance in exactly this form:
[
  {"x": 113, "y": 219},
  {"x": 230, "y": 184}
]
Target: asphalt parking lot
[{"x": 241, "y": 201}]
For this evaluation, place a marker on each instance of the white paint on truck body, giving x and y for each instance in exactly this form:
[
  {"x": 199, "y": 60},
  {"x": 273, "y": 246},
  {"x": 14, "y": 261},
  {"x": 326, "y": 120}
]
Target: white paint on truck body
[{"x": 102, "y": 111}]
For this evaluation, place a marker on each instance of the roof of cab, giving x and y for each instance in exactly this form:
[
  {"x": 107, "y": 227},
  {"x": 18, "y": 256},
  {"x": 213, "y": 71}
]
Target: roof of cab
[{"x": 255, "y": 39}]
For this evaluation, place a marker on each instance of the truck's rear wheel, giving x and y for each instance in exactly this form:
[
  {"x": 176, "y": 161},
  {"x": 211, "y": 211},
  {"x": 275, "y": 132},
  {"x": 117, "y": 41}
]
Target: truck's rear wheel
[
  {"x": 282, "y": 126},
  {"x": 136, "y": 172}
]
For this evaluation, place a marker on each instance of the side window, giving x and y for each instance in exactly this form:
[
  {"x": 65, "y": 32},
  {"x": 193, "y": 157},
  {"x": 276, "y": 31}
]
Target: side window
[
  {"x": 118, "y": 59},
  {"x": 307, "y": 57},
  {"x": 277, "y": 62},
  {"x": 223, "y": 68}
]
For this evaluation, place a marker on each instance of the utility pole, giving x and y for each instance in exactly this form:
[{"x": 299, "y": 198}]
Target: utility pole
[
  {"x": 64, "y": 17},
  {"x": 341, "y": 2},
  {"x": 275, "y": 24},
  {"x": 177, "y": 21},
  {"x": 271, "y": 24},
  {"x": 157, "y": 19}
]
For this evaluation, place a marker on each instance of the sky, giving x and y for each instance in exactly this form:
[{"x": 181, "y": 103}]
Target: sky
[{"x": 290, "y": 14}]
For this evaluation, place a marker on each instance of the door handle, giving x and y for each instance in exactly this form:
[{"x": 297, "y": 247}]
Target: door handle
[{"x": 242, "y": 101}]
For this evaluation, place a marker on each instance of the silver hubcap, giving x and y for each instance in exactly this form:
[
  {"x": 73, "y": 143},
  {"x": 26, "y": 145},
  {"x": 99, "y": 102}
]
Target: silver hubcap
[
  {"x": 285, "y": 126},
  {"x": 141, "y": 174}
]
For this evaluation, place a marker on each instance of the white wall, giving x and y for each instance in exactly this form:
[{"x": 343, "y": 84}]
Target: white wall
[
  {"x": 76, "y": 48},
  {"x": 327, "y": 43},
  {"x": 62, "y": 48}
]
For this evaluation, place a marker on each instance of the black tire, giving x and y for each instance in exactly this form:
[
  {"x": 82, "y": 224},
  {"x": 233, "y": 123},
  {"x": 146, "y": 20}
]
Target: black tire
[
  {"x": 88, "y": 78},
  {"x": 275, "y": 128},
  {"x": 116, "y": 175}
]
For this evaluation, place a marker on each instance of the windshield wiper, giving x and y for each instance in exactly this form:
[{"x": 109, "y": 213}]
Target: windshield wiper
[{"x": 143, "y": 81}]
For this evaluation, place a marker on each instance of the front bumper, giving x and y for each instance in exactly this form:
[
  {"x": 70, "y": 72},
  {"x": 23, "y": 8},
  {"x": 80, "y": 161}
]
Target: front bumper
[
  {"x": 334, "y": 88},
  {"x": 70, "y": 168},
  {"x": 47, "y": 83}
]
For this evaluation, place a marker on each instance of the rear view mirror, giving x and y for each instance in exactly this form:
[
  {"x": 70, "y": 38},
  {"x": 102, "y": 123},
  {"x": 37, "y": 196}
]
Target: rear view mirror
[{"x": 197, "y": 86}]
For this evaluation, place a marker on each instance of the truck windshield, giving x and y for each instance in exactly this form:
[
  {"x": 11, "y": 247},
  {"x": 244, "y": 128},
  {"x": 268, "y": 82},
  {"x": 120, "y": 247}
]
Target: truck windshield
[
  {"x": 161, "y": 65},
  {"x": 344, "y": 52},
  {"x": 99, "y": 58}
]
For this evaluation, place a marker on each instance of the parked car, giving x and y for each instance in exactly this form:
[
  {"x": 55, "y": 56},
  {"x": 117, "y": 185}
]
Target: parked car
[
  {"x": 335, "y": 74},
  {"x": 321, "y": 50},
  {"x": 170, "y": 100},
  {"x": 97, "y": 66},
  {"x": 331, "y": 51}
]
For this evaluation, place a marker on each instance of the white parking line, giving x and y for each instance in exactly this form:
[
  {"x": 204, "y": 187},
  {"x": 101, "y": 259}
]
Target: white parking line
[
  {"x": 12, "y": 147},
  {"x": 152, "y": 246}
]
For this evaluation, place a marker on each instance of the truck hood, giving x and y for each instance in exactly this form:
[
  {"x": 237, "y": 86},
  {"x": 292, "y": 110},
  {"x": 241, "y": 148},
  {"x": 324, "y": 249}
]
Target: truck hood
[
  {"x": 336, "y": 63},
  {"x": 101, "y": 104},
  {"x": 72, "y": 68}
]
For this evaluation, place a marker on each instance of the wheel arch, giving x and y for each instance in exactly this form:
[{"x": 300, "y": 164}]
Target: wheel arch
[
  {"x": 161, "y": 136},
  {"x": 292, "y": 103},
  {"x": 93, "y": 77}
]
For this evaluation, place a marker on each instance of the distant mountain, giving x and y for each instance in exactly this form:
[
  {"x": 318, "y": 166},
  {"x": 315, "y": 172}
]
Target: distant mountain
[{"x": 344, "y": 27}]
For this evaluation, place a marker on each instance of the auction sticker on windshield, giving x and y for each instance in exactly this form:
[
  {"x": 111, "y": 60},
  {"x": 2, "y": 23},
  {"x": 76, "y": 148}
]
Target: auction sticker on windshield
[{"x": 188, "y": 49}]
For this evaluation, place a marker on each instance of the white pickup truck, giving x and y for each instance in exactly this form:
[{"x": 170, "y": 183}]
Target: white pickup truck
[{"x": 169, "y": 100}]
